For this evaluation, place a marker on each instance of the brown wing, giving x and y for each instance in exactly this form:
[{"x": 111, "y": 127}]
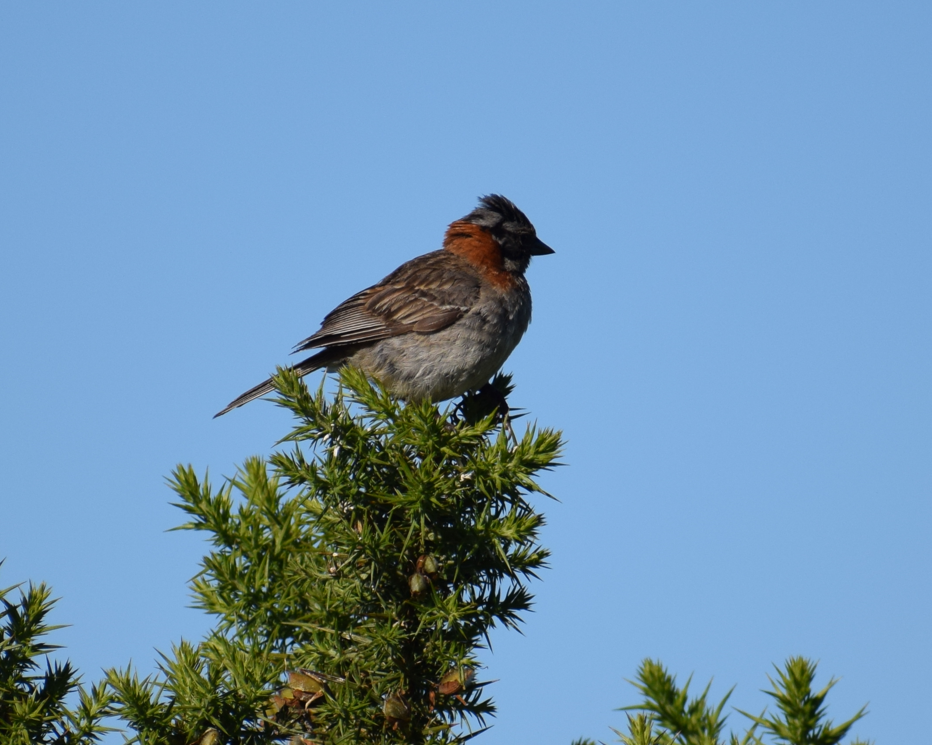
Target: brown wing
[{"x": 424, "y": 295}]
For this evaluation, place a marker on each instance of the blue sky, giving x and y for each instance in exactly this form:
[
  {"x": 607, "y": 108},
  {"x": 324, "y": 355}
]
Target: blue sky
[{"x": 734, "y": 333}]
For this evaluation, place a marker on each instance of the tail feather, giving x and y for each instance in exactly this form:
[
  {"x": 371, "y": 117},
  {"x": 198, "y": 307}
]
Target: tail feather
[
  {"x": 258, "y": 391},
  {"x": 251, "y": 395}
]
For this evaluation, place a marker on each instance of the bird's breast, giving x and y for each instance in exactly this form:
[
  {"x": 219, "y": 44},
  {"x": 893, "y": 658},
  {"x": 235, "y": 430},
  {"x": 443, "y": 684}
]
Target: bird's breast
[{"x": 443, "y": 364}]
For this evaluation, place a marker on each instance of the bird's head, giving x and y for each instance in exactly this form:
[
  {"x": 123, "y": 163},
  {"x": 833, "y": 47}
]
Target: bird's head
[{"x": 511, "y": 229}]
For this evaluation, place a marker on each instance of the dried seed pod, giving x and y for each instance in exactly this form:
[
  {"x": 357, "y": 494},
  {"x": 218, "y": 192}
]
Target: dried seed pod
[
  {"x": 307, "y": 700},
  {"x": 455, "y": 680},
  {"x": 210, "y": 737},
  {"x": 307, "y": 681},
  {"x": 396, "y": 708},
  {"x": 418, "y": 583},
  {"x": 277, "y": 703},
  {"x": 428, "y": 565}
]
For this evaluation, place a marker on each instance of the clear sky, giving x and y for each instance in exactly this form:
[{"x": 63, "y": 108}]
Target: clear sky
[{"x": 734, "y": 333}]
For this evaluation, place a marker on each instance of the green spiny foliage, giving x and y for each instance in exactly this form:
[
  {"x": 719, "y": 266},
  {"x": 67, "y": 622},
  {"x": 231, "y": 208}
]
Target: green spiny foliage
[
  {"x": 802, "y": 712},
  {"x": 667, "y": 715},
  {"x": 355, "y": 576},
  {"x": 33, "y": 702},
  {"x": 692, "y": 720}
]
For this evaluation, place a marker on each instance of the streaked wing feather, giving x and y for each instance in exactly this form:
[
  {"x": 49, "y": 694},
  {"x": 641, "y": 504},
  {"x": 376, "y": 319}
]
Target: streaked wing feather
[{"x": 423, "y": 296}]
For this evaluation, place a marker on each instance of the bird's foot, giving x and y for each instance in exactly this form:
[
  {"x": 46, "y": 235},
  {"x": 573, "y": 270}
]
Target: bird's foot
[{"x": 490, "y": 399}]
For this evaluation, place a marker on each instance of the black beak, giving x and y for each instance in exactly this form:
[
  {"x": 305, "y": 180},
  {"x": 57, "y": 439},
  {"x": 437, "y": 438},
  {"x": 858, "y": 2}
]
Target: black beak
[{"x": 539, "y": 248}]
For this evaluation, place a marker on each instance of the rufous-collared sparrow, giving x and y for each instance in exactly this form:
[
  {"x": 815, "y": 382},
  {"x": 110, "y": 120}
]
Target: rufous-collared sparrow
[{"x": 441, "y": 324}]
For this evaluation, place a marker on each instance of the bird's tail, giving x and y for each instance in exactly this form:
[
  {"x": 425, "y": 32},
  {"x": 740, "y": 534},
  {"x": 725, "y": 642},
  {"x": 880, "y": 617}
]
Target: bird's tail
[{"x": 302, "y": 368}]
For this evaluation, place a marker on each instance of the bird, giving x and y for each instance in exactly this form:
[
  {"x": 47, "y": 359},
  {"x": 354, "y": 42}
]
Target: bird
[{"x": 441, "y": 324}]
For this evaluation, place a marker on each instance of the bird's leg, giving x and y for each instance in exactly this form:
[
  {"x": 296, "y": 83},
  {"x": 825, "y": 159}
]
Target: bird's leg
[
  {"x": 476, "y": 405},
  {"x": 491, "y": 397}
]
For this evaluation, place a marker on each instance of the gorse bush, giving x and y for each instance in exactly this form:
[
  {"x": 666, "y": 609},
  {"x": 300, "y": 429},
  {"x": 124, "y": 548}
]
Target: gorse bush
[
  {"x": 668, "y": 716},
  {"x": 355, "y": 576},
  {"x": 33, "y": 696}
]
